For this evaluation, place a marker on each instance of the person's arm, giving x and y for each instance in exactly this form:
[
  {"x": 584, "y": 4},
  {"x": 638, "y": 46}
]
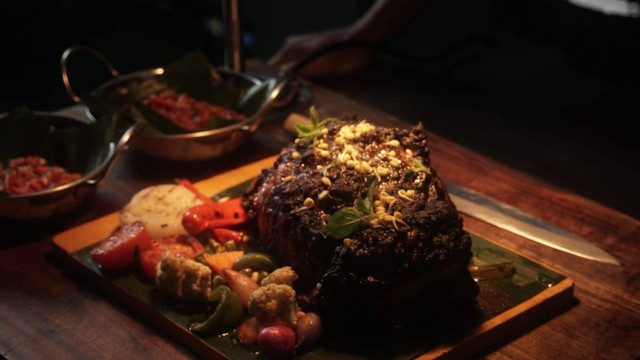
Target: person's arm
[
  {"x": 383, "y": 19},
  {"x": 378, "y": 24}
]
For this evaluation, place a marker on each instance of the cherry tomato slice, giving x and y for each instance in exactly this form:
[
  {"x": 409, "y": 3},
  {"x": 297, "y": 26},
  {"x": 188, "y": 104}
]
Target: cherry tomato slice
[
  {"x": 149, "y": 261},
  {"x": 119, "y": 250},
  {"x": 183, "y": 246}
]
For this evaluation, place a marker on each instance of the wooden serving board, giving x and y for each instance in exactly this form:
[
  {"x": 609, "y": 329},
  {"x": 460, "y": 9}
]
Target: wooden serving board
[{"x": 508, "y": 306}]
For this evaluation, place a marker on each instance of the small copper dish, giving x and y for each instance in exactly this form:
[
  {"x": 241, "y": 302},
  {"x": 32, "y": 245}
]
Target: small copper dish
[
  {"x": 193, "y": 146},
  {"x": 91, "y": 152}
]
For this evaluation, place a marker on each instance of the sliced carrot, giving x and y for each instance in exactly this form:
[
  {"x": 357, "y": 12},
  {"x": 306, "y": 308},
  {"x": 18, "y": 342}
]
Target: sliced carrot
[
  {"x": 189, "y": 185},
  {"x": 223, "y": 260}
]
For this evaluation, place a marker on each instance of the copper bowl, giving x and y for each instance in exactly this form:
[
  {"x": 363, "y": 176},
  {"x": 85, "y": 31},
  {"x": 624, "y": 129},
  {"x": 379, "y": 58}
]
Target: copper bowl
[
  {"x": 93, "y": 162},
  {"x": 201, "y": 145}
]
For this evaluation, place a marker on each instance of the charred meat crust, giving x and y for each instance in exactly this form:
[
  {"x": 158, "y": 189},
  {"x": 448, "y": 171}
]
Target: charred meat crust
[{"x": 399, "y": 268}]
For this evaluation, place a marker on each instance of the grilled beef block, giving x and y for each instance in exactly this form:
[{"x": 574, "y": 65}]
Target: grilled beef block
[{"x": 357, "y": 211}]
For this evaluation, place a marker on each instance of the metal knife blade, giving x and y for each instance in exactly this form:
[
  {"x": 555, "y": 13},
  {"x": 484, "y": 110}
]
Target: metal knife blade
[{"x": 518, "y": 222}]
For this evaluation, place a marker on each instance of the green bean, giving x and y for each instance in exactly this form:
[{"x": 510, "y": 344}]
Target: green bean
[
  {"x": 256, "y": 261},
  {"x": 218, "y": 280},
  {"x": 226, "y": 316}
]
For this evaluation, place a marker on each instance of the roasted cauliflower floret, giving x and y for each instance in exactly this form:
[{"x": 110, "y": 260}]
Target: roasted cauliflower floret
[
  {"x": 184, "y": 279},
  {"x": 274, "y": 301},
  {"x": 284, "y": 275}
]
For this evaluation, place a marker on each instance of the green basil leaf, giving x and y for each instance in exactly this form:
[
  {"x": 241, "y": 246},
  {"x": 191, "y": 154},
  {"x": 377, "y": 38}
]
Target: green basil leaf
[
  {"x": 364, "y": 206},
  {"x": 315, "y": 117},
  {"x": 326, "y": 121},
  {"x": 303, "y": 129},
  {"x": 343, "y": 223},
  {"x": 372, "y": 180},
  {"x": 311, "y": 132}
]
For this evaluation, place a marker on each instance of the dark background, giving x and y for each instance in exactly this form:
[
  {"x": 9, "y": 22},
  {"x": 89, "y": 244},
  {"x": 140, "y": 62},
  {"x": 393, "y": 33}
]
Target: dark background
[
  {"x": 136, "y": 35},
  {"x": 544, "y": 86}
]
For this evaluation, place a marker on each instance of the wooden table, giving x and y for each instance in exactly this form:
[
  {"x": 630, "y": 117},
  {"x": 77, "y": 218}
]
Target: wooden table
[{"x": 47, "y": 311}]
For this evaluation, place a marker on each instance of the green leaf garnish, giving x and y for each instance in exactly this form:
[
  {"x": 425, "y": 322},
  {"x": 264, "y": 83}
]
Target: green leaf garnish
[
  {"x": 342, "y": 223},
  {"x": 417, "y": 167},
  {"x": 372, "y": 181},
  {"x": 325, "y": 170},
  {"x": 309, "y": 133},
  {"x": 365, "y": 205},
  {"x": 346, "y": 220},
  {"x": 315, "y": 117}
]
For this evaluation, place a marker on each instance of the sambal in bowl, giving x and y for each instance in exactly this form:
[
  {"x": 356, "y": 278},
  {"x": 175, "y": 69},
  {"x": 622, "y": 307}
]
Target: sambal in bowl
[
  {"x": 51, "y": 164},
  {"x": 188, "y": 111}
]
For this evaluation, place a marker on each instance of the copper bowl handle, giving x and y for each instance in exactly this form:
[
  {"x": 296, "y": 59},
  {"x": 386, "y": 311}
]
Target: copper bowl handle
[
  {"x": 280, "y": 84},
  {"x": 120, "y": 146},
  {"x": 65, "y": 67},
  {"x": 288, "y": 94}
]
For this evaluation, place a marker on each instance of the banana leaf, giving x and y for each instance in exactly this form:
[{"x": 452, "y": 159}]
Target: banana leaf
[
  {"x": 155, "y": 122},
  {"x": 192, "y": 74},
  {"x": 73, "y": 144}
]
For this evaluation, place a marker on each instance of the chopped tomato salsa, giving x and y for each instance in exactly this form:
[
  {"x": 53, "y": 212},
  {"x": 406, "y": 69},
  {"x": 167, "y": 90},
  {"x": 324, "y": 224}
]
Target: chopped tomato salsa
[
  {"x": 29, "y": 174},
  {"x": 187, "y": 112}
]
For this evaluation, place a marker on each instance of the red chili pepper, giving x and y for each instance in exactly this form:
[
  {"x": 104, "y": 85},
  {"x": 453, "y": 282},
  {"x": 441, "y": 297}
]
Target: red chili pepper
[
  {"x": 214, "y": 215},
  {"x": 189, "y": 185},
  {"x": 223, "y": 235}
]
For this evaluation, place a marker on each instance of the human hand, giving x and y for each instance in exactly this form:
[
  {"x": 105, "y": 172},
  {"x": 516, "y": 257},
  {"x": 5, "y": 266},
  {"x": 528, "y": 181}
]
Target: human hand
[{"x": 338, "y": 62}]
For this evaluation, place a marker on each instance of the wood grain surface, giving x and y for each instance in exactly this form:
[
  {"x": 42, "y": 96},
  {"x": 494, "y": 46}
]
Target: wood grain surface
[{"x": 48, "y": 311}]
